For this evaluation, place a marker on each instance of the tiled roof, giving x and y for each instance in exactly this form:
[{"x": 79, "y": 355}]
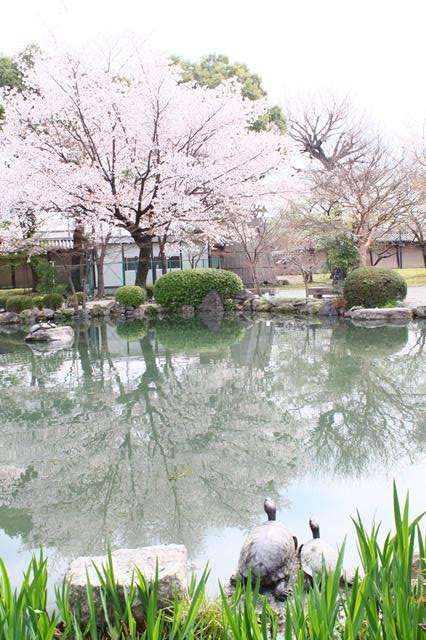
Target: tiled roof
[{"x": 397, "y": 236}]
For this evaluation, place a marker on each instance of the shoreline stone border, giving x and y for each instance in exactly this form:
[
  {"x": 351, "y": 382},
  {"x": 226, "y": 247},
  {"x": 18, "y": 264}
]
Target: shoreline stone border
[{"x": 245, "y": 303}]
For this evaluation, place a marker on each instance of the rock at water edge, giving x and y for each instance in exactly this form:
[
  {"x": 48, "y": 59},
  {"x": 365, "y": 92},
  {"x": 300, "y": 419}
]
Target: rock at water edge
[
  {"x": 63, "y": 335},
  {"x": 171, "y": 559}
]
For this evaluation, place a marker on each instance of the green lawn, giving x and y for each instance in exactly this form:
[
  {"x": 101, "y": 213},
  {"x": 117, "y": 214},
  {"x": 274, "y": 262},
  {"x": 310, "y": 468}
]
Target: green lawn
[{"x": 413, "y": 277}]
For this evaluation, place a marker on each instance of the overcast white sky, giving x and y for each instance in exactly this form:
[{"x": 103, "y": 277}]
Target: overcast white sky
[{"x": 373, "y": 50}]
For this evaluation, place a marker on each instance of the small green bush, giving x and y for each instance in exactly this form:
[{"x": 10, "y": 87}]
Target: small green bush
[
  {"x": 53, "y": 301},
  {"x": 130, "y": 295},
  {"x": 38, "y": 301},
  {"x": 342, "y": 252},
  {"x": 149, "y": 291},
  {"x": 47, "y": 278},
  {"x": 373, "y": 287},
  {"x": 132, "y": 330},
  {"x": 19, "y": 303},
  {"x": 5, "y": 294},
  {"x": 189, "y": 286}
]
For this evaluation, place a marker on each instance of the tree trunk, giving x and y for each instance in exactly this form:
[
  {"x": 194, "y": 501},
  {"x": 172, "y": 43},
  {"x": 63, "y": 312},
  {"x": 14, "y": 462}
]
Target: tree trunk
[
  {"x": 100, "y": 262},
  {"x": 306, "y": 282},
  {"x": 34, "y": 277},
  {"x": 101, "y": 276},
  {"x": 144, "y": 242},
  {"x": 424, "y": 254},
  {"x": 13, "y": 274},
  {"x": 363, "y": 252},
  {"x": 255, "y": 278},
  {"x": 163, "y": 260},
  {"x": 72, "y": 287},
  {"x": 76, "y": 257}
]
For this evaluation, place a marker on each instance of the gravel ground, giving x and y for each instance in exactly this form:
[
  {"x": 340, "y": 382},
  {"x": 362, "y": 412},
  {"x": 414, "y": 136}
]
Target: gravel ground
[{"x": 416, "y": 295}]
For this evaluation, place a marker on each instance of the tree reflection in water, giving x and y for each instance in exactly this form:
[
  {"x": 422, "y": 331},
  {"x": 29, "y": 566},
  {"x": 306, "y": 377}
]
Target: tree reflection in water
[{"x": 159, "y": 438}]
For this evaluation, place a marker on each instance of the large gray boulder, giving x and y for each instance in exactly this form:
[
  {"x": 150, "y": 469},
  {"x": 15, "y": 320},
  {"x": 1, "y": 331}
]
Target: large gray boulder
[
  {"x": 49, "y": 332},
  {"x": 211, "y": 304},
  {"x": 261, "y": 304},
  {"x": 100, "y": 308},
  {"x": 420, "y": 311},
  {"x": 243, "y": 295},
  {"x": 328, "y": 309},
  {"x": 393, "y": 313},
  {"x": 47, "y": 314},
  {"x": 172, "y": 570},
  {"x": 8, "y": 317}
]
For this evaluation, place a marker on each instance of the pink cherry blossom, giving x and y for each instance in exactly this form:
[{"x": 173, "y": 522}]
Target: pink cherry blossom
[{"x": 143, "y": 152}]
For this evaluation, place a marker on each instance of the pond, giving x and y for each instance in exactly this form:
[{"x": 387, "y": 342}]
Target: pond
[{"x": 176, "y": 433}]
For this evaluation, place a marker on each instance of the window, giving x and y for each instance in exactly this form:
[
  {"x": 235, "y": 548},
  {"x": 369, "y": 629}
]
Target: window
[
  {"x": 215, "y": 263},
  {"x": 131, "y": 264},
  {"x": 173, "y": 262}
]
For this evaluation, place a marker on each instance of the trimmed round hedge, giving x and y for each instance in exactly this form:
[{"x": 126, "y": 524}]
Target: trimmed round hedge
[
  {"x": 130, "y": 295},
  {"x": 189, "y": 286},
  {"x": 53, "y": 301},
  {"x": 373, "y": 287}
]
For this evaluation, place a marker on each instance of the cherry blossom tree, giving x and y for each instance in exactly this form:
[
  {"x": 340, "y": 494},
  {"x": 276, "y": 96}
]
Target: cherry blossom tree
[{"x": 143, "y": 151}]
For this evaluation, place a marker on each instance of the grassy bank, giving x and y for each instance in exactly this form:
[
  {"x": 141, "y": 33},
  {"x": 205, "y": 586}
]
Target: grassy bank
[{"x": 383, "y": 603}]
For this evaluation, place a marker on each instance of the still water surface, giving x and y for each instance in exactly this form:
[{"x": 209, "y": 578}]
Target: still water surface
[{"x": 176, "y": 434}]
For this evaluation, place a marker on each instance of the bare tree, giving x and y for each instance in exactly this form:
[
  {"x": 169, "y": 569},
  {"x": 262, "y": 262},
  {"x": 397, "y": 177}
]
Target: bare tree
[
  {"x": 295, "y": 243},
  {"x": 327, "y": 132},
  {"x": 415, "y": 218},
  {"x": 415, "y": 221},
  {"x": 372, "y": 197},
  {"x": 255, "y": 235},
  {"x": 195, "y": 249}
]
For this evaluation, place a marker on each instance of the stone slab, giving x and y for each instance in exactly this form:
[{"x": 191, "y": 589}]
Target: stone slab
[
  {"x": 393, "y": 313},
  {"x": 172, "y": 569}
]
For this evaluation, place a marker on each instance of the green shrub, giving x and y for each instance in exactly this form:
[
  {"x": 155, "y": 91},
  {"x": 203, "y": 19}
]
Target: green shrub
[
  {"x": 189, "y": 286},
  {"x": 53, "y": 301},
  {"x": 47, "y": 278},
  {"x": 132, "y": 330},
  {"x": 342, "y": 252},
  {"x": 130, "y": 295},
  {"x": 38, "y": 301},
  {"x": 149, "y": 291},
  {"x": 373, "y": 287},
  {"x": 19, "y": 303},
  {"x": 5, "y": 294}
]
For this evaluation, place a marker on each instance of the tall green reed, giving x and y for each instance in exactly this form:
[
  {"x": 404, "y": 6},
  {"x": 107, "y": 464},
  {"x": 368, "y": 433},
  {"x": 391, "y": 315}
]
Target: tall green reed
[{"x": 383, "y": 602}]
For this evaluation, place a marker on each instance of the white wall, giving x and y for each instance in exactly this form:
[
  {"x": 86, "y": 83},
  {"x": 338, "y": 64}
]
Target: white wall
[{"x": 114, "y": 274}]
